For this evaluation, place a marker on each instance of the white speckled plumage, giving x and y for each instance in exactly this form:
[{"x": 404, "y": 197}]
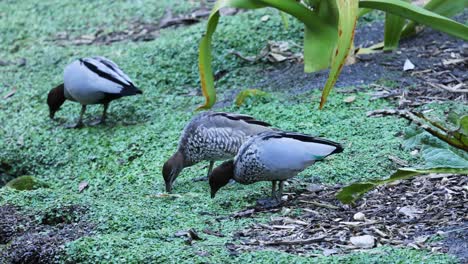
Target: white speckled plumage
[
  {"x": 217, "y": 136},
  {"x": 277, "y": 156},
  {"x": 210, "y": 136}
]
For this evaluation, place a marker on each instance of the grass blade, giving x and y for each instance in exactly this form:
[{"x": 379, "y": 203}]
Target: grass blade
[{"x": 441, "y": 7}]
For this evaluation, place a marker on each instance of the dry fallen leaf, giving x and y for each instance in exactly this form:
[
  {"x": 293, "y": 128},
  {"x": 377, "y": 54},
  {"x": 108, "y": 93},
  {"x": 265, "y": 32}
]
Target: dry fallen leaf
[
  {"x": 410, "y": 211},
  {"x": 327, "y": 252},
  {"x": 83, "y": 185},
  {"x": 365, "y": 241},
  {"x": 265, "y": 18},
  {"x": 349, "y": 99},
  {"x": 10, "y": 94},
  {"x": 314, "y": 187},
  {"x": 408, "y": 65}
]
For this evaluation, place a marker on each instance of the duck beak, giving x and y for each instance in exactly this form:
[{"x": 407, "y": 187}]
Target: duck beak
[
  {"x": 51, "y": 114},
  {"x": 213, "y": 194}
]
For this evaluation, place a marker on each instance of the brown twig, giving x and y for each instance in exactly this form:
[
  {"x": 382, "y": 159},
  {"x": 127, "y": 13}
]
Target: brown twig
[
  {"x": 295, "y": 242},
  {"x": 413, "y": 118},
  {"x": 329, "y": 206}
]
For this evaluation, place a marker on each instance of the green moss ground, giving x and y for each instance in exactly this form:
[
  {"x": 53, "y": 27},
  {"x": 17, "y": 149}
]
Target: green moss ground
[{"x": 122, "y": 160}]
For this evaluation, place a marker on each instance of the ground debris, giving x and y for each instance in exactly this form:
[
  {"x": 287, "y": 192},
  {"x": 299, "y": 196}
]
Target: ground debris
[
  {"x": 404, "y": 214},
  {"x": 24, "y": 238},
  {"x": 138, "y": 30}
]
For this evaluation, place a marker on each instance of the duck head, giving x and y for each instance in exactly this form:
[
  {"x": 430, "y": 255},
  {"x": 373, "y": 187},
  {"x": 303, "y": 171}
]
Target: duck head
[
  {"x": 55, "y": 99},
  {"x": 172, "y": 168},
  {"x": 220, "y": 176}
]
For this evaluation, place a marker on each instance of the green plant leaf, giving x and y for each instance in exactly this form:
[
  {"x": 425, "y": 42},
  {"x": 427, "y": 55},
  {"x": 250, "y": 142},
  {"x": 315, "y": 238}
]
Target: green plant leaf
[
  {"x": 318, "y": 33},
  {"x": 419, "y": 15},
  {"x": 441, "y": 7},
  {"x": 285, "y": 19},
  {"x": 351, "y": 193},
  {"x": 348, "y": 15},
  {"x": 392, "y": 31},
  {"x": 242, "y": 96},
  {"x": 464, "y": 124},
  {"x": 204, "y": 53},
  {"x": 444, "y": 157}
]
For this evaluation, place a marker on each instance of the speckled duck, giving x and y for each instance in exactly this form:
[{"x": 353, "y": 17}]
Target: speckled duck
[
  {"x": 210, "y": 136},
  {"x": 272, "y": 156}
]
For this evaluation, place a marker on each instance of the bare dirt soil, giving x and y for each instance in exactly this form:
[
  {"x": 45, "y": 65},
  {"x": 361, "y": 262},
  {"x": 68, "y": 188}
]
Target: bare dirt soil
[
  {"x": 440, "y": 72},
  {"x": 424, "y": 213},
  {"x": 39, "y": 238}
]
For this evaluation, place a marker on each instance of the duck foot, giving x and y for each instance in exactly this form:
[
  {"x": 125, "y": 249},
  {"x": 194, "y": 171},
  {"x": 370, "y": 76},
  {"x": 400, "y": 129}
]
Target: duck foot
[
  {"x": 97, "y": 122},
  {"x": 268, "y": 203},
  {"x": 203, "y": 178},
  {"x": 77, "y": 125}
]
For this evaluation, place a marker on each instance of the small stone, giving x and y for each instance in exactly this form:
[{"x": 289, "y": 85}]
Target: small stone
[
  {"x": 365, "y": 241},
  {"x": 314, "y": 187},
  {"x": 265, "y": 18},
  {"x": 359, "y": 216}
]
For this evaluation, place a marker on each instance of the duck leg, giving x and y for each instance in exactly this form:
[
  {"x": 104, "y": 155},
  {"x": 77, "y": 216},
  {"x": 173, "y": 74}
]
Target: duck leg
[
  {"x": 274, "y": 200},
  {"x": 103, "y": 117},
  {"x": 280, "y": 190},
  {"x": 205, "y": 178},
  {"x": 79, "y": 123},
  {"x": 273, "y": 189}
]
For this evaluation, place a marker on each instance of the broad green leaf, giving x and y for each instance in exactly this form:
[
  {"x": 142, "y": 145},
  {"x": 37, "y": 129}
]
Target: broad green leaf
[
  {"x": 419, "y": 15},
  {"x": 363, "y": 11},
  {"x": 351, "y": 193},
  {"x": 464, "y": 124},
  {"x": 444, "y": 157},
  {"x": 204, "y": 54},
  {"x": 285, "y": 19},
  {"x": 319, "y": 40},
  {"x": 454, "y": 118},
  {"x": 249, "y": 93},
  {"x": 441, "y": 7},
  {"x": 392, "y": 31},
  {"x": 316, "y": 29},
  {"x": 348, "y": 11}
]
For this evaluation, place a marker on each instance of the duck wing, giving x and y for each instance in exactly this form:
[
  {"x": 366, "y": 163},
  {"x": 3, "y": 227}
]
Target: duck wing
[
  {"x": 293, "y": 151},
  {"x": 107, "y": 77}
]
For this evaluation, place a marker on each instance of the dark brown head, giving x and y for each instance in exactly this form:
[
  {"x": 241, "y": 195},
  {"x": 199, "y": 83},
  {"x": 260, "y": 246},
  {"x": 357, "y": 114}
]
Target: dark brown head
[
  {"x": 220, "y": 176},
  {"x": 55, "y": 100},
  {"x": 172, "y": 168}
]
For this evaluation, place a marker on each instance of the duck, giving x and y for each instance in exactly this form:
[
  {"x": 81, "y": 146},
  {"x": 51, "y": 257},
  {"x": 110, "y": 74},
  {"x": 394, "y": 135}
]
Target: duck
[
  {"x": 210, "y": 136},
  {"x": 272, "y": 156},
  {"x": 92, "y": 80}
]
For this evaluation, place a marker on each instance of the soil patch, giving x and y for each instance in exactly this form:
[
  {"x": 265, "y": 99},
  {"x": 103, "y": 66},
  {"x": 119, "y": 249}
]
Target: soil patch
[
  {"x": 138, "y": 30},
  {"x": 439, "y": 74},
  {"x": 416, "y": 213},
  {"x": 39, "y": 238}
]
